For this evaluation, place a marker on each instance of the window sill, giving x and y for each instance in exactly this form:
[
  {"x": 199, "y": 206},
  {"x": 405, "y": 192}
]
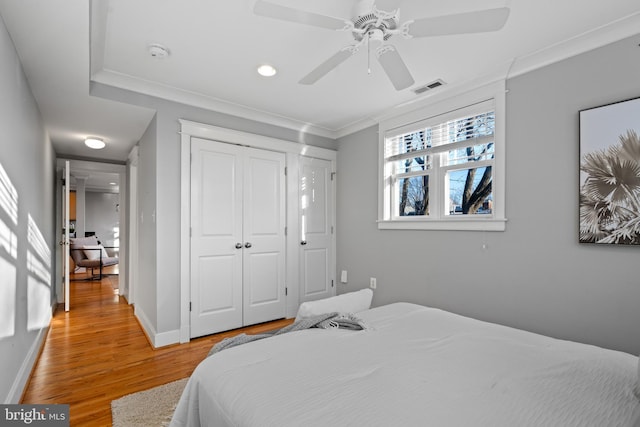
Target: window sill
[{"x": 457, "y": 224}]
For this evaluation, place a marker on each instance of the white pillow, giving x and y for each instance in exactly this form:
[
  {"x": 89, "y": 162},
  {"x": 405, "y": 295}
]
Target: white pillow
[
  {"x": 92, "y": 253},
  {"x": 351, "y": 302}
]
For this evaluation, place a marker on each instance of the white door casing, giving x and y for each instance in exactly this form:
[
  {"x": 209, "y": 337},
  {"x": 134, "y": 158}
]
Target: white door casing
[
  {"x": 293, "y": 151},
  {"x": 65, "y": 237},
  {"x": 316, "y": 226}
]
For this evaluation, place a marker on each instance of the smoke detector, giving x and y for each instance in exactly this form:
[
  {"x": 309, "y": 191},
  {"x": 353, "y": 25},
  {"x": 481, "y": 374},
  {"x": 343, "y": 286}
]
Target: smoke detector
[{"x": 158, "y": 51}]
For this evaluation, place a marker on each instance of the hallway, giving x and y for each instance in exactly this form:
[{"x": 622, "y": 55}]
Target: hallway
[{"x": 98, "y": 352}]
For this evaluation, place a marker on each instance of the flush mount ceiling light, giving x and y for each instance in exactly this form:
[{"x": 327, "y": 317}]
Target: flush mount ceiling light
[
  {"x": 95, "y": 143},
  {"x": 267, "y": 70}
]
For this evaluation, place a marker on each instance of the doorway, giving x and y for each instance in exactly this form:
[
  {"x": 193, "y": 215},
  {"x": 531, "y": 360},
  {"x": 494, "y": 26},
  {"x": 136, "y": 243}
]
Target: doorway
[
  {"x": 93, "y": 181},
  {"x": 322, "y": 223}
]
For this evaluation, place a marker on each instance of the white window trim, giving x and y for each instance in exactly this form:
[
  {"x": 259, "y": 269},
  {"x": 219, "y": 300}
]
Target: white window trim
[{"x": 495, "y": 91}]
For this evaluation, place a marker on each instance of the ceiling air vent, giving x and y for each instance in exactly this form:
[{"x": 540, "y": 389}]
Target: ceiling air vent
[{"x": 432, "y": 85}]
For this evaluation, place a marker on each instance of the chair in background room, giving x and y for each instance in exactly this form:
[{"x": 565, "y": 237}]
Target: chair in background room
[{"x": 89, "y": 253}]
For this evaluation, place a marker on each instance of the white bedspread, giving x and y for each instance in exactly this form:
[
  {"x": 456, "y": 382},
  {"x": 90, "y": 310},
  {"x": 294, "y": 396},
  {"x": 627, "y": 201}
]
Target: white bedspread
[{"x": 417, "y": 366}]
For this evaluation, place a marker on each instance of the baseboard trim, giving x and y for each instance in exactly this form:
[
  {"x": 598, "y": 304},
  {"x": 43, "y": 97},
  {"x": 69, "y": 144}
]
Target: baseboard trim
[
  {"x": 156, "y": 339},
  {"x": 19, "y": 385},
  {"x": 167, "y": 338}
]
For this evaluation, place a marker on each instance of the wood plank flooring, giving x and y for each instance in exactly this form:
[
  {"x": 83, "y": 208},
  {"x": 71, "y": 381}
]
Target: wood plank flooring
[{"x": 97, "y": 352}]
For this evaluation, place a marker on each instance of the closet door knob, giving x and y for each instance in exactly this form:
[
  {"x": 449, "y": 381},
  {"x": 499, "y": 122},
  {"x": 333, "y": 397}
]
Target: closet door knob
[
  {"x": 238, "y": 245},
  {"x": 247, "y": 245},
  {"x": 304, "y": 242}
]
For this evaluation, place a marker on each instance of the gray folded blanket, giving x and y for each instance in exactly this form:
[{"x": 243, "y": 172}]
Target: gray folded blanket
[{"x": 322, "y": 321}]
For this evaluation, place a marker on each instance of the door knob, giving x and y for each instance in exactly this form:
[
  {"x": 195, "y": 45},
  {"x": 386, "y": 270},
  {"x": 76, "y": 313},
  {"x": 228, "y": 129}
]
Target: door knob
[
  {"x": 238, "y": 245},
  {"x": 247, "y": 245},
  {"x": 304, "y": 242}
]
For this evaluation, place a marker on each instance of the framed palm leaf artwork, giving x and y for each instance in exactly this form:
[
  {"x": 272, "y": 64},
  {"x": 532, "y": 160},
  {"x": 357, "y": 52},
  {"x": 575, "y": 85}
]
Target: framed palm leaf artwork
[{"x": 610, "y": 174}]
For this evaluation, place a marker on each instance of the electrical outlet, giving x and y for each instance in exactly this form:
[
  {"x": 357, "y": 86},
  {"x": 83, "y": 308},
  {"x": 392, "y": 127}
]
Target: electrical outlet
[{"x": 372, "y": 282}]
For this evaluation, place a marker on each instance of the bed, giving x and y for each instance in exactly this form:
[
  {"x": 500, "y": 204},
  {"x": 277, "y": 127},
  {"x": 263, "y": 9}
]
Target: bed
[{"x": 413, "y": 366}]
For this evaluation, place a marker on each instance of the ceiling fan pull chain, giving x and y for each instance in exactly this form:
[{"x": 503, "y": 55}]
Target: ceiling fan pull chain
[{"x": 369, "y": 52}]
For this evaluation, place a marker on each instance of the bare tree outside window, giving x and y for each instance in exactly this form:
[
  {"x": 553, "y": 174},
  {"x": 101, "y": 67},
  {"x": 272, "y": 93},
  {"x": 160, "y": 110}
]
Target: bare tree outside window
[
  {"x": 414, "y": 193},
  {"x": 469, "y": 182},
  {"x": 475, "y": 194}
]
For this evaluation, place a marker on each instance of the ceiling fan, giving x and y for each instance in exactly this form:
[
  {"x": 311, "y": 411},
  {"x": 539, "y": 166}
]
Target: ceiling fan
[{"x": 373, "y": 25}]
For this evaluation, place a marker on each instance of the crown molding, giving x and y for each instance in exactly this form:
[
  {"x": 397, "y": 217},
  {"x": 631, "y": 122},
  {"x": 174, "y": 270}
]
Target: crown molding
[
  {"x": 593, "y": 39},
  {"x": 170, "y": 93},
  {"x": 590, "y": 40}
]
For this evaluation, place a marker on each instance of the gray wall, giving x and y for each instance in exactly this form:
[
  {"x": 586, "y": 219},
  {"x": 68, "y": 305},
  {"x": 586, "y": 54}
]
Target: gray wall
[
  {"x": 534, "y": 275},
  {"x": 102, "y": 217},
  {"x": 145, "y": 290},
  {"x": 159, "y": 192},
  {"x": 27, "y": 158}
]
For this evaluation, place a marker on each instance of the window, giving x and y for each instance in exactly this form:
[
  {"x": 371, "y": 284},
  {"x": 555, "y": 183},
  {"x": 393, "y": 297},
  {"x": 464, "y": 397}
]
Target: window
[{"x": 444, "y": 171}]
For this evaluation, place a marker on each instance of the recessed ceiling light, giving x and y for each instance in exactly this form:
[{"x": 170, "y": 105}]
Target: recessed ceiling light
[
  {"x": 267, "y": 70},
  {"x": 95, "y": 143}
]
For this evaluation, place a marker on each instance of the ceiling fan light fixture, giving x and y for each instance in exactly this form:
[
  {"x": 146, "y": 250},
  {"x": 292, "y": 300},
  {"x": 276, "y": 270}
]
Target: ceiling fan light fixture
[
  {"x": 376, "y": 35},
  {"x": 371, "y": 24},
  {"x": 267, "y": 70},
  {"x": 94, "y": 143}
]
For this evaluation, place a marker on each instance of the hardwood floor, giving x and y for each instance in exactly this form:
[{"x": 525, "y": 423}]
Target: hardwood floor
[{"x": 97, "y": 352}]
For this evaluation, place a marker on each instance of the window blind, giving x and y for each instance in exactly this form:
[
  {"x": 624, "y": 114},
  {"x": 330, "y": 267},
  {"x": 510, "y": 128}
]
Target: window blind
[{"x": 458, "y": 133}]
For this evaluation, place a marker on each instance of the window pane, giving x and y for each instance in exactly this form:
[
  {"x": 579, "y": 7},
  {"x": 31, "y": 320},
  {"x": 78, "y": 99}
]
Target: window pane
[
  {"x": 413, "y": 196},
  {"x": 414, "y": 164},
  {"x": 470, "y": 191},
  {"x": 474, "y": 153}
]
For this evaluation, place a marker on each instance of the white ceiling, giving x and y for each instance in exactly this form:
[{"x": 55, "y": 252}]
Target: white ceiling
[
  {"x": 97, "y": 176},
  {"x": 215, "y": 47}
]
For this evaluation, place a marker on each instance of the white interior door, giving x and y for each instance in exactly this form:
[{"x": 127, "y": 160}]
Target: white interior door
[
  {"x": 316, "y": 224},
  {"x": 216, "y": 237},
  {"x": 263, "y": 230},
  {"x": 65, "y": 235},
  {"x": 237, "y": 236}
]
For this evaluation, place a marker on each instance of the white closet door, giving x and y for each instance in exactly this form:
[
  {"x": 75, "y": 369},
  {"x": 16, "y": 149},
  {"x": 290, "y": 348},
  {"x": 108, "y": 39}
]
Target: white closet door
[
  {"x": 264, "y": 238},
  {"x": 316, "y": 222},
  {"x": 216, "y": 237}
]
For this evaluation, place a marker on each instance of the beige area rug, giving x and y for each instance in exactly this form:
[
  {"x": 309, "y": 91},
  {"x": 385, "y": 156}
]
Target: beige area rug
[{"x": 149, "y": 408}]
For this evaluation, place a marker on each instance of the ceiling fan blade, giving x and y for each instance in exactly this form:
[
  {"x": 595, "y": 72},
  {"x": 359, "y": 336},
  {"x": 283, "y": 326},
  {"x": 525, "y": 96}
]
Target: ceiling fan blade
[
  {"x": 328, "y": 65},
  {"x": 460, "y": 23},
  {"x": 395, "y": 67},
  {"x": 276, "y": 11}
]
